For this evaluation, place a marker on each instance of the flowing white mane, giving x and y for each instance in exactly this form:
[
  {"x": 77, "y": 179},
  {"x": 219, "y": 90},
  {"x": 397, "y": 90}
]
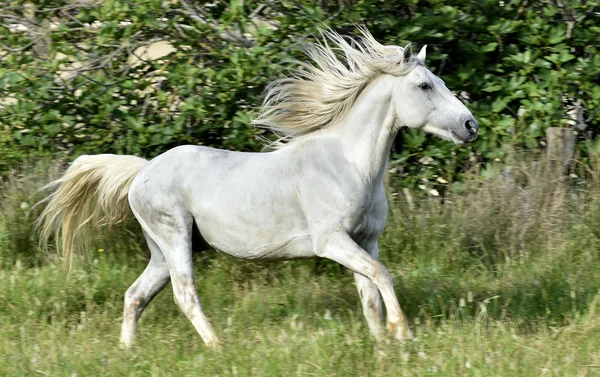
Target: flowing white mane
[{"x": 319, "y": 94}]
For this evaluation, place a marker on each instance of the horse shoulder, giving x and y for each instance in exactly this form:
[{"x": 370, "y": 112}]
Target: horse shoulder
[{"x": 332, "y": 192}]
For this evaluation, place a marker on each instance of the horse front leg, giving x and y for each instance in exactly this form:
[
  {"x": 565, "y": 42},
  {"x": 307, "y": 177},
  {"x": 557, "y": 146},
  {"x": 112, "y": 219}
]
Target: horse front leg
[
  {"x": 339, "y": 247},
  {"x": 369, "y": 296},
  {"x": 371, "y": 304}
]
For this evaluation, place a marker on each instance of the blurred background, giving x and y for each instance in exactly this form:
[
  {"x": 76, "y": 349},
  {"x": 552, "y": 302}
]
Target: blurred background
[{"x": 493, "y": 245}]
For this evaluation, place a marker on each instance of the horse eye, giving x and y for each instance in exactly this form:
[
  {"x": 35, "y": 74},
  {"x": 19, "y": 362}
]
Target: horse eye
[{"x": 425, "y": 86}]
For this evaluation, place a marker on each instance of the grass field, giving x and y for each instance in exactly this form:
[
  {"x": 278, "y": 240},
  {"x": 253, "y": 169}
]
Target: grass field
[{"x": 500, "y": 280}]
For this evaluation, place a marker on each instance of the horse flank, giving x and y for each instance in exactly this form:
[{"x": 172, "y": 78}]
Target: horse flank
[{"x": 318, "y": 95}]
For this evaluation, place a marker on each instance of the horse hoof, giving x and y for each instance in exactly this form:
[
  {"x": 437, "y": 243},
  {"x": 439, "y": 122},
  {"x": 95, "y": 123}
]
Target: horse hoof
[
  {"x": 400, "y": 331},
  {"x": 214, "y": 345},
  {"x": 125, "y": 345}
]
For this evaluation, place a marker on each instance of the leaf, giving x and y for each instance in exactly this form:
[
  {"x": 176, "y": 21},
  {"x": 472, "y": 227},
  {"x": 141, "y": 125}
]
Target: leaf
[
  {"x": 492, "y": 88},
  {"x": 136, "y": 124},
  {"x": 565, "y": 57},
  {"x": 557, "y": 34},
  {"x": 489, "y": 47},
  {"x": 499, "y": 104},
  {"x": 505, "y": 124}
]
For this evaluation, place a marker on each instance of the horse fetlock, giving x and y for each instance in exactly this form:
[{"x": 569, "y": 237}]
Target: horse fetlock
[
  {"x": 399, "y": 329},
  {"x": 214, "y": 344},
  {"x": 126, "y": 340},
  {"x": 378, "y": 332}
]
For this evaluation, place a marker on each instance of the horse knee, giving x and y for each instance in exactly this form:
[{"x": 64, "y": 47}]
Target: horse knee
[
  {"x": 184, "y": 293},
  {"x": 381, "y": 276},
  {"x": 134, "y": 303}
]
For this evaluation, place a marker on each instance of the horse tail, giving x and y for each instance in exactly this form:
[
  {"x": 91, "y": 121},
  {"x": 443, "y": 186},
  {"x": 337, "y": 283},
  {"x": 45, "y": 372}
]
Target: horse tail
[{"x": 91, "y": 194}]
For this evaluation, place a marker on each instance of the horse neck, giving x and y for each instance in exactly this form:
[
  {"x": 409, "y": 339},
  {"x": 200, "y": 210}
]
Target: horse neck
[{"x": 368, "y": 130}]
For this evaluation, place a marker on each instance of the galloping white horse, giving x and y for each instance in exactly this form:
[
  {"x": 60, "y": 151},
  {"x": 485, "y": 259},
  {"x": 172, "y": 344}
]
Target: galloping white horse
[{"x": 320, "y": 194}]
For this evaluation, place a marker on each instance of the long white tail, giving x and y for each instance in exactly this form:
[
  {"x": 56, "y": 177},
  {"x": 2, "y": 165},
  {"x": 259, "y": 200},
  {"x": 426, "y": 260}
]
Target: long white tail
[{"x": 91, "y": 194}]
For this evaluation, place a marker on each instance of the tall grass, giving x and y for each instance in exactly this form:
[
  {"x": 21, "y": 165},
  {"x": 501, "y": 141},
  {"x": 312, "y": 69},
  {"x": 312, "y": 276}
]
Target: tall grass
[
  {"x": 500, "y": 278},
  {"x": 19, "y": 191},
  {"x": 522, "y": 240}
]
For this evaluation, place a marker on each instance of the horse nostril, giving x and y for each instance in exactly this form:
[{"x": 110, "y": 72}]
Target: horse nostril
[{"x": 472, "y": 127}]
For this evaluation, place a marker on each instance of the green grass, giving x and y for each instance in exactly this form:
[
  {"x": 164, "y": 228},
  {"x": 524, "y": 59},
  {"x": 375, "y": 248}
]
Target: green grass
[
  {"x": 502, "y": 281},
  {"x": 290, "y": 321}
]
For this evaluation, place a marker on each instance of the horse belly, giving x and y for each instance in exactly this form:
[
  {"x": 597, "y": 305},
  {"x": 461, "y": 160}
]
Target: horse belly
[
  {"x": 256, "y": 243},
  {"x": 257, "y": 232},
  {"x": 299, "y": 248}
]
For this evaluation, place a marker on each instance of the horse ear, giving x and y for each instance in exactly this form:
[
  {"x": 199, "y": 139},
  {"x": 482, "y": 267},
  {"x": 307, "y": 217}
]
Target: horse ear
[
  {"x": 408, "y": 52},
  {"x": 422, "y": 53}
]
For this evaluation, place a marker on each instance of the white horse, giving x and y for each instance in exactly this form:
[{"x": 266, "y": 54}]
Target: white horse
[{"x": 320, "y": 194}]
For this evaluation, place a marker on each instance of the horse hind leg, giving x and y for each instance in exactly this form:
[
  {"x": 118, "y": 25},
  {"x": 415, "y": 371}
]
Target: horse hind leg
[
  {"x": 154, "y": 278},
  {"x": 172, "y": 232}
]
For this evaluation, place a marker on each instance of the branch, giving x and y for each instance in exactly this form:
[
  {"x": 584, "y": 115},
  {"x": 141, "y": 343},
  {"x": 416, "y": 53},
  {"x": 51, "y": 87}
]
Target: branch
[{"x": 202, "y": 17}]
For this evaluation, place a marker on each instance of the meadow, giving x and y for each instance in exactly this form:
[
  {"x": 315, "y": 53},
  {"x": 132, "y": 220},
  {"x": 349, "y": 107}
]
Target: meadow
[{"x": 500, "y": 278}]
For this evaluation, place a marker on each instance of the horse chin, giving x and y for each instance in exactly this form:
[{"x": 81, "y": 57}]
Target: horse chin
[
  {"x": 455, "y": 138},
  {"x": 445, "y": 134}
]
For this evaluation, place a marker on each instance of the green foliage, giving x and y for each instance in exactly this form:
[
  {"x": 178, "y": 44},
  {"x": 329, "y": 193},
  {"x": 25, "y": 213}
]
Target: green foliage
[
  {"x": 76, "y": 87},
  {"x": 106, "y": 102},
  {"x": 519, "y": 66}
]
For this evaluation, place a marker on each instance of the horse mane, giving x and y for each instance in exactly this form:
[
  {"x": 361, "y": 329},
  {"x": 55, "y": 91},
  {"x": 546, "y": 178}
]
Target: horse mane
[{"x": 319, "y": 94}]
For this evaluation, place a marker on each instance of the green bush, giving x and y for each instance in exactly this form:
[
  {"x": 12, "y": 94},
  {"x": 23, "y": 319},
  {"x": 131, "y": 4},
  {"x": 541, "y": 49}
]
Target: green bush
[{"x": 521, "y": 67}]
